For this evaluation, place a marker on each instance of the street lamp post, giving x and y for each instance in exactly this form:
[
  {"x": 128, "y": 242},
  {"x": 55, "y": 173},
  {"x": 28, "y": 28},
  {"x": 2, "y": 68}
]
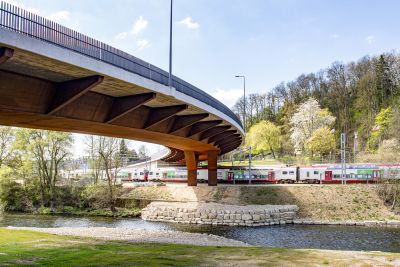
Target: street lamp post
[
  {"x": 170, "y": 49},
  {"x": 244, "y": 118},
  {"x": 244, "y": 100}
]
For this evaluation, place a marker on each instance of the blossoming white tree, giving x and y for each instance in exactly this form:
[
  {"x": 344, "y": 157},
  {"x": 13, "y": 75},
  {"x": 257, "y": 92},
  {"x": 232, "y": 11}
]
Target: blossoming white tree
[{"x": 308, "y": 118}]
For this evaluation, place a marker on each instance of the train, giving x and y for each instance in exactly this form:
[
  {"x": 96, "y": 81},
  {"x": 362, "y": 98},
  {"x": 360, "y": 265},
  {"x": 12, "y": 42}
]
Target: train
[{"x": 314, "y": 174}]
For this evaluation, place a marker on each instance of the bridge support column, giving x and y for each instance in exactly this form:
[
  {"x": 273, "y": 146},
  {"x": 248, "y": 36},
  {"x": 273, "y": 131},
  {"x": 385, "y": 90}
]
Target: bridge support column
[
  {"x": 212, "y": 167},
  {"x": 191, "y": 165}
]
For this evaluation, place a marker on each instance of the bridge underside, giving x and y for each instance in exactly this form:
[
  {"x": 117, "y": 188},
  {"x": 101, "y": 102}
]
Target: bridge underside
[{"x": 39, "y": 92}]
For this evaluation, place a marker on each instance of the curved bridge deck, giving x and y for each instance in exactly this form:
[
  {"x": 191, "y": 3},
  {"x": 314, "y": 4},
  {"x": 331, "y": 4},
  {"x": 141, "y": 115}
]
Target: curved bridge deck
[{"x": 54, "y": 78}]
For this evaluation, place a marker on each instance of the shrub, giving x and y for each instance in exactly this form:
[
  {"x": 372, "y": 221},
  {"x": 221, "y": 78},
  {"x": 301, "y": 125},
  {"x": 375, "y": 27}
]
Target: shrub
[
  {"x": 13, "y": 196},
  {"x": 97, "y": 196}
]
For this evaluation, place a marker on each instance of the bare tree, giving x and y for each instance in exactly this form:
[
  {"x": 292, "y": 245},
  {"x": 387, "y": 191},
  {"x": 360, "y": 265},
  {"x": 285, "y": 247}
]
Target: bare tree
[
  {"x": 108, "y": 150},
  {"x": 95, "y": 165}
]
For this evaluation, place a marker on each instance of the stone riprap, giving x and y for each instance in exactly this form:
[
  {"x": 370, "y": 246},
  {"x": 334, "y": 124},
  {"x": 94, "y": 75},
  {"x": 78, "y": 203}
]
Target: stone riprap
[{"x": 219, "y": 214}]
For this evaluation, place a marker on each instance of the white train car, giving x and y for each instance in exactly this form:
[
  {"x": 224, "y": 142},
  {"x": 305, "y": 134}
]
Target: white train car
[
  {"x": 312, "y": 174},
  {"x": 139, "y": 175},
  {"x": 286, "y": 175},
  {"x": 222, "y": 175}
]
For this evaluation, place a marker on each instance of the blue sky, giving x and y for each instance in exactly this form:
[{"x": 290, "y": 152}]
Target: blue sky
[{"x": 269, "y": 41}]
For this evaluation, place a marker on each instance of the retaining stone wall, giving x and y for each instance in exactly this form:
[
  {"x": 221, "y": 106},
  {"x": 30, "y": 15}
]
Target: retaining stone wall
[{"x": 219, "y": 214}]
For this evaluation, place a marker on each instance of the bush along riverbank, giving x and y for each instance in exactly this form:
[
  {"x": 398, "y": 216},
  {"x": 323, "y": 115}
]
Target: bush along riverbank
[
  {"x": 71, "y": 211},
  {"x": 92, "y": 200}
]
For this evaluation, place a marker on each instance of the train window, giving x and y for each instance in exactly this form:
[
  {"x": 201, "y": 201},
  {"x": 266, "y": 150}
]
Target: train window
[
  {"x": 336, "y": 176},
  {"x": 308, "y": 174},
  {"x": 141, "y": 173},
  {"x": 291, "y": 172},
  {"x": 151, "y": 173},
  {"x": 135, "y": 174},
  {"x": 284, "y": 173},
  {"x": 316, "y": 172},
  {"x": 157, "y": 173}
]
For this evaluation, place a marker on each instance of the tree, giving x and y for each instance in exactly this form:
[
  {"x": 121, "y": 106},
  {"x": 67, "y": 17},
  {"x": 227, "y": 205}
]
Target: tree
[
  {"x": 108, "y": 150},
  {"x": 143, "y": 152},
  {"x": 321, "y": 142},
  {"x": 6, "y": 140},
  {"x": 123, "y": 152},
  {"x": 379, "y": 131},
  {"x": 133, "y": 156},
  {"x": 95, "y": 165},
  {"x": 48, "y": 150},
  {"x": 306, "y": 120},
  {"x": 264, "y": 137},
  {"x": 384, "y": 83}
]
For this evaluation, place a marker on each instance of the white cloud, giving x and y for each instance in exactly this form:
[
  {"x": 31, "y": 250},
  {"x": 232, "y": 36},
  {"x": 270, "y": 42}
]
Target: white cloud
[
  {"x": 227, "y": 97},
  {"x": 121, "y": 35},
  {"x": 139, "y": 25},
  {"x": 335, "y": 36},
  {"x": 59, "y": 16},
  {"x": 189, "y": 23},
  {"x": 370, "y": 39},
  {"x": 29, "y": 9},
  {"x": 142, "y": 44}
]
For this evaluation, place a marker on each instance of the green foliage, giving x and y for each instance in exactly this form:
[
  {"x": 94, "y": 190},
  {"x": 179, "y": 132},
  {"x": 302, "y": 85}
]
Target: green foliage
[
  {"x": 96, "y": 196},
  {"x": 264, "y": 137},
  {"x": 379, "y": 132},
  {"x": 321, "y": 142},
  {"x": 46, "y": 151},
  {"x": 13, "y": 196}
]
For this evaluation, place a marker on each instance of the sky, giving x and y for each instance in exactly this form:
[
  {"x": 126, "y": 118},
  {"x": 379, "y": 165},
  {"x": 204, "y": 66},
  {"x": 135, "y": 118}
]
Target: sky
[{"x": 268, "y": 41}]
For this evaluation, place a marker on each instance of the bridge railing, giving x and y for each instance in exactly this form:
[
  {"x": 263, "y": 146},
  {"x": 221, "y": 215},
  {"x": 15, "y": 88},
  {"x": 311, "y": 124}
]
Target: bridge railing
[{"x": 24, "y": 22}]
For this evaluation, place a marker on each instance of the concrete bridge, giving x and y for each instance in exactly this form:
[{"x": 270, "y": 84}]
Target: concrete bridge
[{"x": 52, "y": 77}]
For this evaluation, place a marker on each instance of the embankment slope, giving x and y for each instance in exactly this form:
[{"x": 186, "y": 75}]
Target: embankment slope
[{"x": 317, "y": 202}]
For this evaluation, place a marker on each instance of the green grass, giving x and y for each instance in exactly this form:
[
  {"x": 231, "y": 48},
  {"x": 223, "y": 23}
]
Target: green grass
[{"x": 19, "y": 248}]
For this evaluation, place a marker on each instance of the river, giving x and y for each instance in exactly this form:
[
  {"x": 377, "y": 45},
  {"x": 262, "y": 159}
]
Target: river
[{"x": 285, "y": 236}]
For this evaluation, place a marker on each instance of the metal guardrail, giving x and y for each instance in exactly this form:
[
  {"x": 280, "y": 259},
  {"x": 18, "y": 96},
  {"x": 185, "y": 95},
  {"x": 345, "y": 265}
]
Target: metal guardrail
[{"x": 24, "y": 22}]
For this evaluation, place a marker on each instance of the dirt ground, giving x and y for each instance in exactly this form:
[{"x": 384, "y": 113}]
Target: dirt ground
[{"x": 320, "y": 202}]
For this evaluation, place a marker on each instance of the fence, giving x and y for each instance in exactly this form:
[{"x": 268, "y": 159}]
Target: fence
[{"x": 24, "y": 22}]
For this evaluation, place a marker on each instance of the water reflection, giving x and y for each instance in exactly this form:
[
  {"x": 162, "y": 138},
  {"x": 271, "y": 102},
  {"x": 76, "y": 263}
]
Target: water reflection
[{"x": 286, "y": 236}]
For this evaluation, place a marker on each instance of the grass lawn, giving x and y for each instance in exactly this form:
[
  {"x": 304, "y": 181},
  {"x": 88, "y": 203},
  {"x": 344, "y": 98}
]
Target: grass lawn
[{"x": 18, "y": 248}]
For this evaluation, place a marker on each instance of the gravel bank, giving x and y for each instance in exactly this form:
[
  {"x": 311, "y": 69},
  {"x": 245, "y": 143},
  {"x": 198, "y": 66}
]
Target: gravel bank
[{"x": 140, "y": 235}]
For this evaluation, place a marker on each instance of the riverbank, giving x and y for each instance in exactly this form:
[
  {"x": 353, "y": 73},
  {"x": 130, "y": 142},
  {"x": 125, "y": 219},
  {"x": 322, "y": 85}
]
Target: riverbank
[
  {"x": 21, "y": 247},
  {"x": 334, "y": 203}
]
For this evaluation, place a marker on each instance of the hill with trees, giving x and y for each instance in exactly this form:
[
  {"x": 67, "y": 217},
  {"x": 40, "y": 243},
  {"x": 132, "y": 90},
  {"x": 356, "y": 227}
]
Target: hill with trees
[{"x": 306, "y": 116}]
